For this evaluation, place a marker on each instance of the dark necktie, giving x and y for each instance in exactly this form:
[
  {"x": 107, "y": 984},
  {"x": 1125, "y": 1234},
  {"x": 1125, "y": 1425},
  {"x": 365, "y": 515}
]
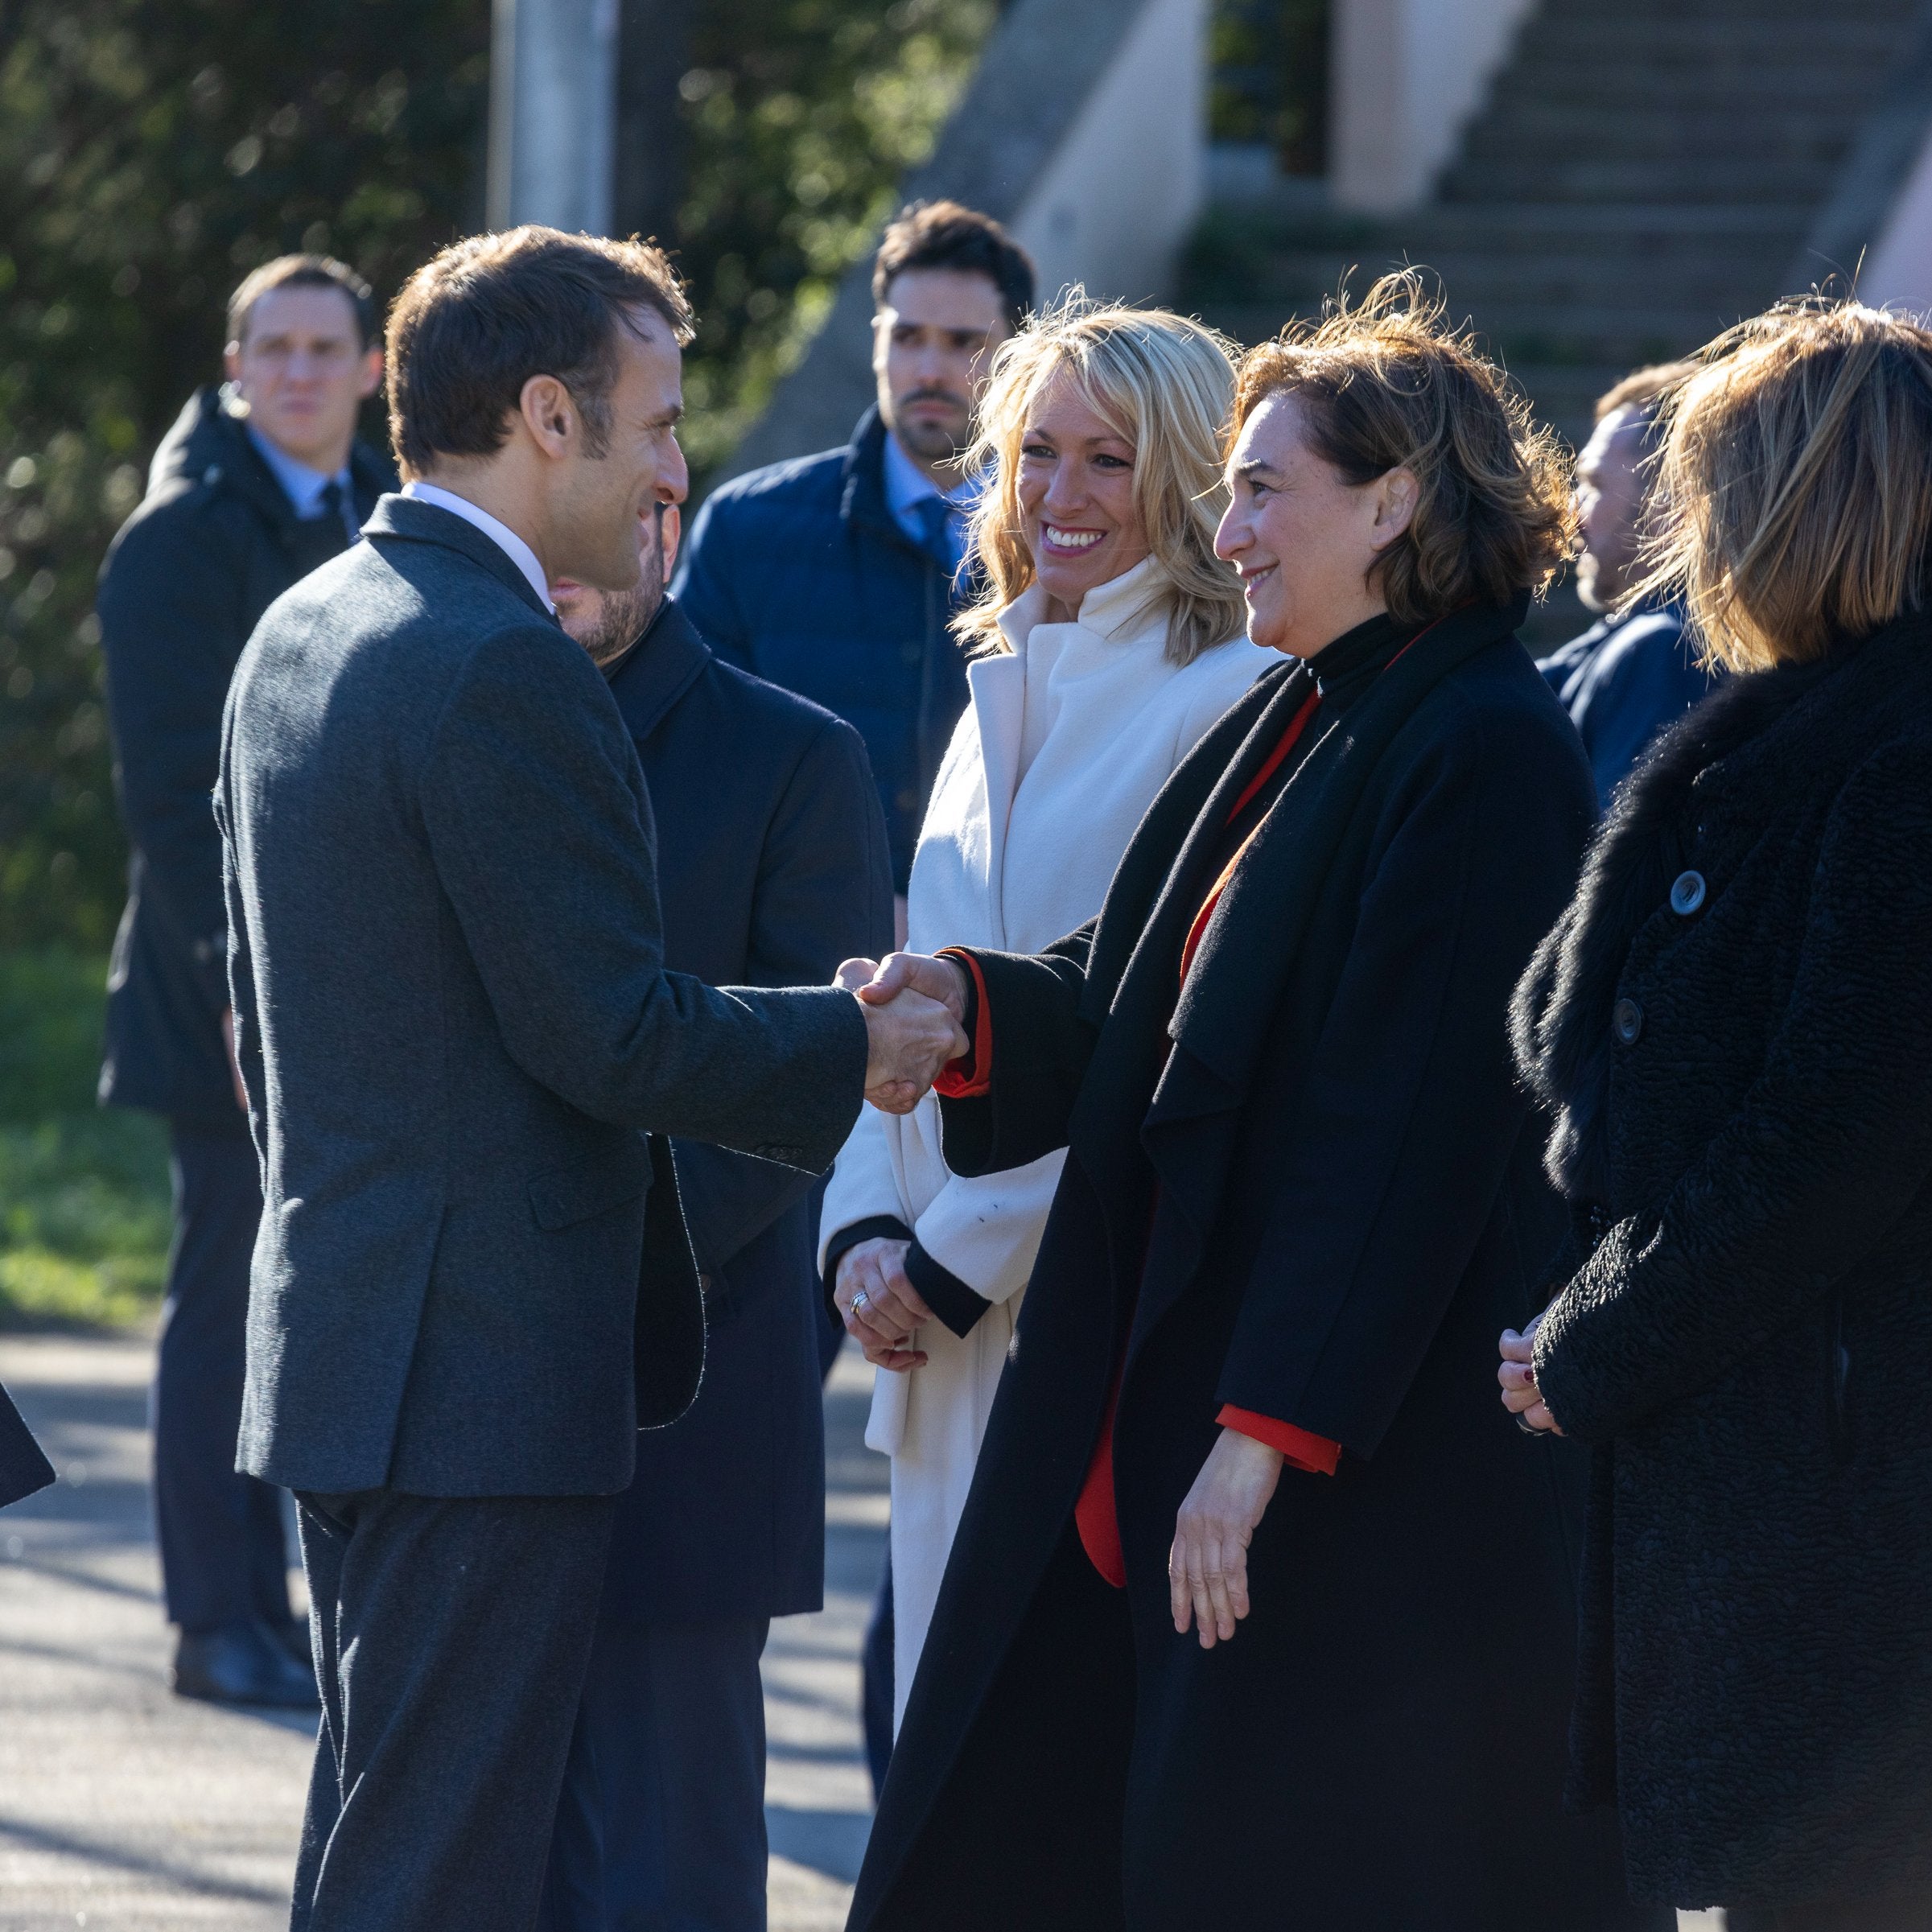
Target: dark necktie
[
  {"x": 935, "y": 526},
  {"x": 334, "y": 502}
]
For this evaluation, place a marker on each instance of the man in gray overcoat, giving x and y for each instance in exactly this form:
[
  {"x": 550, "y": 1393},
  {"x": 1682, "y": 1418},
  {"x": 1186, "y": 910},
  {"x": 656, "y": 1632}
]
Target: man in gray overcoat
[{"x": 472, "y": 1283}]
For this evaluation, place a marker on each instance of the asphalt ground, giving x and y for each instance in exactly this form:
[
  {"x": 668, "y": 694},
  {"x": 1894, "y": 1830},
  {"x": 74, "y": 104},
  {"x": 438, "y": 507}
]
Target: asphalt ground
[{"x": 126, "y": 1809}]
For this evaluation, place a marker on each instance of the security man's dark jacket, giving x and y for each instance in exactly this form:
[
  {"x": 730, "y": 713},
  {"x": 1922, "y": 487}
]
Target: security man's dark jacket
[
  {"x": 214, "y": 542},
  {"x": 452, "y": 1015},
  {"x": 771, "y": 868},
  {"x": 800, "y": 573}
]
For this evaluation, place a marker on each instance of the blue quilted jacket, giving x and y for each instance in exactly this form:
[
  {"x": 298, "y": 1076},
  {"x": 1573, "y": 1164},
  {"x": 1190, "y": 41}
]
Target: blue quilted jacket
[{"x": 799, "y": 573}]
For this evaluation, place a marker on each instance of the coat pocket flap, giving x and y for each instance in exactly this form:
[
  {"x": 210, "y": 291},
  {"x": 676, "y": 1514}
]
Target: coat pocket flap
[{"x": 567, "y": 1195}]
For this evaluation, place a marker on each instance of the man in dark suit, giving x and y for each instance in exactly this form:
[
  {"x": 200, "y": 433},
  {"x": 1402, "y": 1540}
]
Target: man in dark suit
[
  {"x": 1636, "y": 669},
  {"x": 771, "y": 869},
  {"x": 473, "y": 1282},
  {"x": 254, "y": 486},
  {"x": 836, "y": 575}
]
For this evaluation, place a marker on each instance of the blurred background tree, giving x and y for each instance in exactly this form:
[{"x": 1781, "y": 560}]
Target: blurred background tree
[{"x": 151, "y": 153}]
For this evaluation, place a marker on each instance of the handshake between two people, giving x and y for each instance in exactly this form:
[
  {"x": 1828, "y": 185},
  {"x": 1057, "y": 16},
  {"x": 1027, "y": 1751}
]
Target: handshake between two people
[{"x": 915, "y": 1011}]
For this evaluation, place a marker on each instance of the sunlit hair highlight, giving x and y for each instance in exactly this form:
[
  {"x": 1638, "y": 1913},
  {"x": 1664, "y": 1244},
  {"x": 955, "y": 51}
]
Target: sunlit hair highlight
[
  {"x": 1797, "y": 468},
  {"x": 1389, "y": 384},
  {"x": 1163, "y": 383}
]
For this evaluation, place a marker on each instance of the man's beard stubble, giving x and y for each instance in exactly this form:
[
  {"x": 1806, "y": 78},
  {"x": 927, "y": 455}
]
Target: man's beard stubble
[
  {"x": 932, "y": 442},
  {"x": 626, "y": 617}
]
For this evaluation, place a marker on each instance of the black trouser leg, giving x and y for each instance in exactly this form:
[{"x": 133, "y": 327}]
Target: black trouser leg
[
  {"x": 453, "y": 1635},
  {"x": 223, "y": 1553},
  {"x": 875, "y": 1681},
  {"x": 661, "y": 1821}
]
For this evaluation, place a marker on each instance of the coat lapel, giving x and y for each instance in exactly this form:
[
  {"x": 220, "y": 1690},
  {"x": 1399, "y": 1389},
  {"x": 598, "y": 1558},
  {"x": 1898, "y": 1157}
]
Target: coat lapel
[{"x": 663, "y": 663}]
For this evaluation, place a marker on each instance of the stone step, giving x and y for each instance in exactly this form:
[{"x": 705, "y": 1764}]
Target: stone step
[
  {"x": 1607, "y": 38},
  {"x": 1519, "y": 127},
  {"x": 1611, "y": 281},
  {"x": 1587, "y": 177}
]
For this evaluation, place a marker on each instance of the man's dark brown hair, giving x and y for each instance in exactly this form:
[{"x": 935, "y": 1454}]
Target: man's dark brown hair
[
  {"x": 303, "y": 271},
  {"x": 1390, "y": 385},
  {"x": 949, "y": 235},
  {"x": 473, "y": 325}
]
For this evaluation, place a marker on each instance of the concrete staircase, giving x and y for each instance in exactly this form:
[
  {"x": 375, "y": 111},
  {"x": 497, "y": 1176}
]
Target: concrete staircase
[{"x": 1642, "y": 174}]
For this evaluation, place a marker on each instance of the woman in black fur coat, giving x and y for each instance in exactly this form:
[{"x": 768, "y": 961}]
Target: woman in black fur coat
[{"x": 1733, "y": 1023}]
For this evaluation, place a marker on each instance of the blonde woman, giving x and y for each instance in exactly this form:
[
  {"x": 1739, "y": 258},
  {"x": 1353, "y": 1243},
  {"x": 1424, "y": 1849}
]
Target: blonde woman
[{"x": 1109, "y": 640}]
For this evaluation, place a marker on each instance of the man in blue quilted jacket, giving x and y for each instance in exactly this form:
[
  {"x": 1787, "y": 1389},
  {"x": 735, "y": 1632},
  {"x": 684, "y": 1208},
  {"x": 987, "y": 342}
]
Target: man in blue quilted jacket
[{"x": 835, "y": 575}]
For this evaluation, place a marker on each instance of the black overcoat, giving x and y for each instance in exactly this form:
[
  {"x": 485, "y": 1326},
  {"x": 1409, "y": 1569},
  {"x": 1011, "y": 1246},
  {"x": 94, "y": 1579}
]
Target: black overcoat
[
  {"x": 214, "y": 542},
  {"x": 1350, "y": 1208},
  {"x": 771, "y": 868},
  {"x": 1735, "y": 1018}
]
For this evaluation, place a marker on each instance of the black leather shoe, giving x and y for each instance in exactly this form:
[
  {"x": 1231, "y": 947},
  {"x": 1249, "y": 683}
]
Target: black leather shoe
[{"x": 241, "y": 1663}]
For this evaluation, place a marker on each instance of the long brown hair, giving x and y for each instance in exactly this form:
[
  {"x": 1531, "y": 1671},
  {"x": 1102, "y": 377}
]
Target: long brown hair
[{"x": 1163, "y": 383}]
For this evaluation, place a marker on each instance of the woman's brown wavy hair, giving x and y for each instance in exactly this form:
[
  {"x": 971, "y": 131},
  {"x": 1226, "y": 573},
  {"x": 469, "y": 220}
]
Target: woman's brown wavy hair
[
  {"x": 1387, "y": 384},
  {"x": 1797, "y": 478}
]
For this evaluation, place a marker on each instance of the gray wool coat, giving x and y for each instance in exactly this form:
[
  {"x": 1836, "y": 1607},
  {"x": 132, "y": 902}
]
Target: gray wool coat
[{"x": 452, "y": 1015}]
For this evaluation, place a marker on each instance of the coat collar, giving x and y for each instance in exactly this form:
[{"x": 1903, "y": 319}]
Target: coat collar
[
  {"x": 658, "y": 670},
  {"x": 417, "y": 522},
  {"x": 862, "y": 494},
  {"x": 1243, "y": 961}
]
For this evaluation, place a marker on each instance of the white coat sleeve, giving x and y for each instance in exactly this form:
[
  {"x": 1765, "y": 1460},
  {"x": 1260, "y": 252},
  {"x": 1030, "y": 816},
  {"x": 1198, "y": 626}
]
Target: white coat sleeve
[
  {"x": 987, "y": 1230},
  {"x": 865, "y": 1180}
]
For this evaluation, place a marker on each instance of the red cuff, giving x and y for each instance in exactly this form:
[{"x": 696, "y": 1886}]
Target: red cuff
[
  {"x": 970, "y": 1076},
  {"x": 1314, "y": 1453}
]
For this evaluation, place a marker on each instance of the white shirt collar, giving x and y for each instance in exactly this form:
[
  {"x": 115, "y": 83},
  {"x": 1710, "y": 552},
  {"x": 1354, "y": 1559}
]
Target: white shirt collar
[{"x": 501, "y": 534}]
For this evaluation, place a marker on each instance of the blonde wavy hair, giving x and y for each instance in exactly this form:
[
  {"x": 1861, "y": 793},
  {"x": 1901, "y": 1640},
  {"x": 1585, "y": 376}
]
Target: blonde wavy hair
[
  {"x": 1389, "y": 384},
  {"x": 1796, "y": 473},
  {"x": 1162, "y": 382}
]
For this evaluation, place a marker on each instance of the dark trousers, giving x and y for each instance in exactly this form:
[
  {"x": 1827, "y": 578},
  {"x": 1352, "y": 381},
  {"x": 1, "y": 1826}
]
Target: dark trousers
[
  {"x": 876, "y": 1685},
  {"x": 452, "y": 1635},
  {"x": 660, "y": 1827},
  {"x": 224, "y": 1555}
]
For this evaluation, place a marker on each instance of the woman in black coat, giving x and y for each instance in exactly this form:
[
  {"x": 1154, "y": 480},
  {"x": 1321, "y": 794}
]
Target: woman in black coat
[
  {"x": 1735, "y": 1020},
  {"x": 1302, "y": 1187}
]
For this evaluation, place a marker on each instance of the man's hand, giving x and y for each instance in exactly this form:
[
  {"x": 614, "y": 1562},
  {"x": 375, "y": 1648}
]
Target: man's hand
[
  {"x": 880, "y": 1306},
  {"x": 234, "y": 1063},
  {"x": 878, "y": 984},
  {"x": 913, "y": 1007},
  {"x": 1520, "y": 1394},
  {"x": 1208, "y": 1566}
]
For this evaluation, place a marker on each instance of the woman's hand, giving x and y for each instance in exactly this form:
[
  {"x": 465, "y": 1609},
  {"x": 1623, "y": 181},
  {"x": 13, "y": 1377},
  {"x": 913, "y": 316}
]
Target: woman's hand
[
  {"x": 1208, "y": 1566},
  {"x": 879, "y": 1305},
  {"x": 1520, "y": 1394}
]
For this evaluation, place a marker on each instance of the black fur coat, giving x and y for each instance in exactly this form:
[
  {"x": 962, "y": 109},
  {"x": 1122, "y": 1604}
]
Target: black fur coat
[{"x": 1733, "y": 1024}]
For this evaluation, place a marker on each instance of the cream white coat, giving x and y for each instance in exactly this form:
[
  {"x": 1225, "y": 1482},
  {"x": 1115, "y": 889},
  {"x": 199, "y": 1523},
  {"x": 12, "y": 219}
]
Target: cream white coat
[{"x": 1063, "y": 745}]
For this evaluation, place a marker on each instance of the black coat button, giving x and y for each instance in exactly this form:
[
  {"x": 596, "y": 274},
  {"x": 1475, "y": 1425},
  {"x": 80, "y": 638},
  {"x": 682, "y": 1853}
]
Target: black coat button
[
  {"x": 1627, "y": 1021},
  {"x": 1687, "y": 893}
]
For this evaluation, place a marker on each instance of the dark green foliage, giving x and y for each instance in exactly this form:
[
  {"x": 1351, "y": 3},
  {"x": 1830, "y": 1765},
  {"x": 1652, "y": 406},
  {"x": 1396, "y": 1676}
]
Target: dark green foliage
[
  {"x": 84, "y": 1192},
  {"x": 1271, "y": 79},
  {"x": 152, "y": 151},
  {"x": 800, "y": 115}
]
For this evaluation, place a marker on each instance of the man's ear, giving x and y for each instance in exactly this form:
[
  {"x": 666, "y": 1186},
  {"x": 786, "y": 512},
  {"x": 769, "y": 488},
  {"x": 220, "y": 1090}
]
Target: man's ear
[
  {"x": 231, "y": 361},
  {"x": 1397, "y": 494},
  {"x": 550, "y": 414},
  {"x": 671, "y": 528},
  {"x": 372, "y": 374}
]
